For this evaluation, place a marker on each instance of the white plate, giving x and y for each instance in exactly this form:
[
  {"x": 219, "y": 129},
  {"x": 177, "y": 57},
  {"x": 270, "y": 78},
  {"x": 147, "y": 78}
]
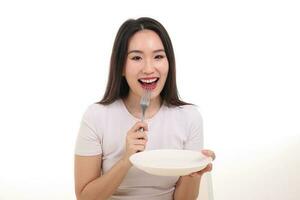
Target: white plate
[{"x": 170, "y": 162}]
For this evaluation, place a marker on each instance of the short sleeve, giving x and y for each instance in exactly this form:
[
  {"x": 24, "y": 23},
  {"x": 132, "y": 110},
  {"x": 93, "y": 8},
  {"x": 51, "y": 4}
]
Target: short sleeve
[
  {"x": 195, "y": 137},
  {"x": 88, "y": 142}
]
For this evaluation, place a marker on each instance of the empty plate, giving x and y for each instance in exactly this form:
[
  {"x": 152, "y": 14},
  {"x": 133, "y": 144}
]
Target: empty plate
[{"x": 170, "y": 162}]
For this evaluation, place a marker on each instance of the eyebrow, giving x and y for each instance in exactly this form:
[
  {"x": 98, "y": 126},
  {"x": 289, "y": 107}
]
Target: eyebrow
[{"x": 139, "y": 51}]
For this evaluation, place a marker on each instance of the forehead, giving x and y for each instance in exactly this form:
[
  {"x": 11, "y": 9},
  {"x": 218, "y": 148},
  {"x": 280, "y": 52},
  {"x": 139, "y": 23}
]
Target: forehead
[{"x": 145, "y": 40}]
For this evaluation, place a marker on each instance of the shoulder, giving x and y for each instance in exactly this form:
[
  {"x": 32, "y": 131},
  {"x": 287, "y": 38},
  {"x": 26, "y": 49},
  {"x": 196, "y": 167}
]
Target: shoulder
[
  {"x": 186, "y": 111},
  {"x": 97, "y": 111},
  {"x": 95, "y": 115}
]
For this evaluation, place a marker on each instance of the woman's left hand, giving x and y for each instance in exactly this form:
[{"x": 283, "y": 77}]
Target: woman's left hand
[{"x": 208, "y": 168}]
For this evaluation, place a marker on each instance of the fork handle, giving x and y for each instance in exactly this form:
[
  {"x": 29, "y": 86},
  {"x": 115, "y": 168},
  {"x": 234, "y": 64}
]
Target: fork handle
[
  {"x": 143, "y": 117},
  {"x": 141, "y": 130}
]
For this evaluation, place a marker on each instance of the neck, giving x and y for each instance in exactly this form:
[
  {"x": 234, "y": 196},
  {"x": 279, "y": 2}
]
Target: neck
[{"x": 132, "y": 103}]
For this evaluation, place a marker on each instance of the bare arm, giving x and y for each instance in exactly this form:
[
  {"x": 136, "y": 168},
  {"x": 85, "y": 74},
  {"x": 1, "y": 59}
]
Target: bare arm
[
  {"x": 89, "y": 184},
  {"x": 187, "y": 187}
]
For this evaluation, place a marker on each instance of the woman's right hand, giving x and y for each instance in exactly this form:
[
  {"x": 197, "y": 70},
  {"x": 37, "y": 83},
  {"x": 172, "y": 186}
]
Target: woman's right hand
[{"x": 136, "y": 140}]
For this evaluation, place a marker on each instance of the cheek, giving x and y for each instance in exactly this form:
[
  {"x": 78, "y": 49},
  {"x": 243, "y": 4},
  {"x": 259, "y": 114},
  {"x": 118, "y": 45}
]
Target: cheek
[
  {"x": 133, "y": 66},
  {"x": 164, "y": 69},
  {"x": 131, "y": 80},
  {"x": 131, "y": 70}
]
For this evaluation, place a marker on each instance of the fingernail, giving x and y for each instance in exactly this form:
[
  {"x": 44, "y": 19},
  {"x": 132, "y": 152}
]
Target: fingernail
[{"x": 204, "y": 151}]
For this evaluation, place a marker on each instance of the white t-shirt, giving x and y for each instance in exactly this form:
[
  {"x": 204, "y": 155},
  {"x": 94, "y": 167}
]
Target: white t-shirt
[{"x": 103, "y": 131}]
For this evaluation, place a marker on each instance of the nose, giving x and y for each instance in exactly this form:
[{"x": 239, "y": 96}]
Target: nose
[{"x": 148, "y": 67}]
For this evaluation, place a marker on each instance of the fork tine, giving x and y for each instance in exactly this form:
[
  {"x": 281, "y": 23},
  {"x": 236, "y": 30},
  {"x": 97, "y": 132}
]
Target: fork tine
[
  {"x": 145, "y": 100},
  {"x": 144, "y": 103}
]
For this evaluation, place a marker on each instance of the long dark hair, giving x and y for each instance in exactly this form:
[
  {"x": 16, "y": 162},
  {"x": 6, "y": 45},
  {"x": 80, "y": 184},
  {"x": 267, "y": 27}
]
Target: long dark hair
[{"x": 117, "y": 86}]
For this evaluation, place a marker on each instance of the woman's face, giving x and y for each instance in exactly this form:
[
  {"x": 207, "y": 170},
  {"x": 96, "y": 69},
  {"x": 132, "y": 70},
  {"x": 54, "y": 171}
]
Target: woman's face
[{"x": 146, "y": 65}]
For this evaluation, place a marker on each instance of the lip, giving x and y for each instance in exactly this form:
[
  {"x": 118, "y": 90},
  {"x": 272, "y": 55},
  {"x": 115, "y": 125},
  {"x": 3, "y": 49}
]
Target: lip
[
  {"x": 148, "y": 78},
  {"x": 150, "y": 86}
]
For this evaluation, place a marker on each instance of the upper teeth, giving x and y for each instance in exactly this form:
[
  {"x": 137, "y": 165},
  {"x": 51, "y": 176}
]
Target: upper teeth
[{"x": 148, "y": 80}]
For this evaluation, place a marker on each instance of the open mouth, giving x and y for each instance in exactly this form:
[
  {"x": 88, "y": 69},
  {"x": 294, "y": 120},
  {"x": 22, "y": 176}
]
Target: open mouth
[{"x": 149, "y": 84}]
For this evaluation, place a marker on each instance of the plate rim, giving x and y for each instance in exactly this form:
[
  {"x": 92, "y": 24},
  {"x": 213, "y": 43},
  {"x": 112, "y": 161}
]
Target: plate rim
[{"x": 205, "y": 161}]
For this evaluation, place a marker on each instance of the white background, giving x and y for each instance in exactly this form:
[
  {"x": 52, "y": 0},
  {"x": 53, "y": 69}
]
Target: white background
[{"x": 238, "y": 60}]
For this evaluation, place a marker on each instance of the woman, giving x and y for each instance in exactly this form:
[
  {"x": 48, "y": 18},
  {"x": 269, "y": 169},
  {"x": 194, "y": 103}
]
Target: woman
[{"x": 142, "y": 59}]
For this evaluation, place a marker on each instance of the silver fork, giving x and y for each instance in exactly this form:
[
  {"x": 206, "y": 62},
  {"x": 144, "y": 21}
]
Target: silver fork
[{"x": 144, "y": 103}]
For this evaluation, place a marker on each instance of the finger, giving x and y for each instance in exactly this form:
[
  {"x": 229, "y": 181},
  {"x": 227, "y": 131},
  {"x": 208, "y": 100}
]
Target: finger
[
  {"x": 140, "y": 142},
  {"x": 135, "y": 134},
  {"x": 139, "y": 125},
  {"x": 209, "y": 153},
  {"x": 139, "y": 135},
  {"x": 135, "y": 146},
  {"x": 208, "y": 168},
  {"x": 194, "y": 174},
  {"x": 201, "y": 172},
  {"x": 139, "y": 147}
]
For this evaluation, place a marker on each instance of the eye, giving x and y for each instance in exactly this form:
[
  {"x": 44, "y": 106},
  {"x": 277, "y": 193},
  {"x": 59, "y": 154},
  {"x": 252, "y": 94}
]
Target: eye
[
  {"x": 136, "y": 58},
  {"x": 159, "y": 57}
]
